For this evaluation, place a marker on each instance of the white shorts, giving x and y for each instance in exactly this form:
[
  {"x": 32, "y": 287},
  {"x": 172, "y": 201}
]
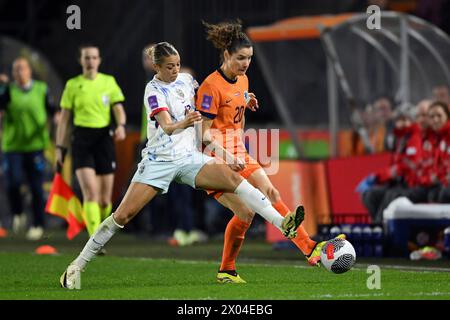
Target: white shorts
[{"x": 159, "y": 174}]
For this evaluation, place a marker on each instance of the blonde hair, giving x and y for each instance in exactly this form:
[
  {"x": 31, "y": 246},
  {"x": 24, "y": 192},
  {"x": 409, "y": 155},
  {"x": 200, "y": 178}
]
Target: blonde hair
[{"x": 159, "y": 51}]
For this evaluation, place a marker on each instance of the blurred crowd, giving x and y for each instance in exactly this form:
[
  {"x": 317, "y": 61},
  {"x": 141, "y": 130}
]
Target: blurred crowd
[{"x": 419, "y": 139}]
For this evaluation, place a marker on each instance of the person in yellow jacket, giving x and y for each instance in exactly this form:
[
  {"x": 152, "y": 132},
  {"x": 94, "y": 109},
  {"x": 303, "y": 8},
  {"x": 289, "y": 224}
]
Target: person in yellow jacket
[{"x": 89, "y": 98}]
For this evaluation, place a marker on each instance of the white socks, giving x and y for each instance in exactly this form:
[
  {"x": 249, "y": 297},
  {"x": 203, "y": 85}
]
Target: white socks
[
  {"x": 96, "y": 242},
  {"x": 258, "y": 202}
]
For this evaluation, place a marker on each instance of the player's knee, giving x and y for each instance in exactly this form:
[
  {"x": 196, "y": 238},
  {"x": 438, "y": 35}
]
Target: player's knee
[
  {"x": 245, "y": 214},
  {"x": 273, "y": 194},
  {"x": 104, "y": 202},
  {"x": 123, "y": 217},
  {"x": 234, "y": 180},
  {"x": 90, "y": 194}
]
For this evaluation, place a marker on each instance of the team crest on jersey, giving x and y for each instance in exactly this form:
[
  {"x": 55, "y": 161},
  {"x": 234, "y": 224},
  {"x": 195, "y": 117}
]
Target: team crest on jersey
[
  {"x": 105, "y": 100},
  {"x": 206, "y": 102},
  {"x": 153, "y": 102},
  {"x": 179, "y": 92}
]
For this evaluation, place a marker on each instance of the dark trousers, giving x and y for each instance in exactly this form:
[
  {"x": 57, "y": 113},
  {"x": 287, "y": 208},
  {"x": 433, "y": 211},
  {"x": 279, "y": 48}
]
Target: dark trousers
[
  {"x": 423, "y": 194},
  {"x": 181, "y": 205},
  {"x": 377, "y": 198},
  {"x": 29, "y": 165},
  {"x": 444, "y": 195}
]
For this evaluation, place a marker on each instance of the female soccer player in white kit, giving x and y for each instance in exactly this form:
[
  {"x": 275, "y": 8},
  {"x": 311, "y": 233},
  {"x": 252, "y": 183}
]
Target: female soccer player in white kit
[{"x": 171, "y": 154}]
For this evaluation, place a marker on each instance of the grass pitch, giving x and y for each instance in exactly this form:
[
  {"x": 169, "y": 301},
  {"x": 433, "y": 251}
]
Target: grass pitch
[{"x": 144, "y": 269}]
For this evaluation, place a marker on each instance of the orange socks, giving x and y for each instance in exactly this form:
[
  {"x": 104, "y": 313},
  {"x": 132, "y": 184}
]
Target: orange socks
[
  {"x": 302, "y": 240},
  {"x": 234, "y": 237},
  {"x": 235, "y": 234}
]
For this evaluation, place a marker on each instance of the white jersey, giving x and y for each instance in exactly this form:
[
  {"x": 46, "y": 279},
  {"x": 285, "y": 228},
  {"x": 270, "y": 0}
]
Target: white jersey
[{"x": 177, "y": 98}]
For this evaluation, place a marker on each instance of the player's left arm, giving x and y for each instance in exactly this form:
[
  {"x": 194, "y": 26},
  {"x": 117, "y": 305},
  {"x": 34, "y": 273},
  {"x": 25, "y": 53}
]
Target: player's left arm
[{"x": 121, "y": 121}]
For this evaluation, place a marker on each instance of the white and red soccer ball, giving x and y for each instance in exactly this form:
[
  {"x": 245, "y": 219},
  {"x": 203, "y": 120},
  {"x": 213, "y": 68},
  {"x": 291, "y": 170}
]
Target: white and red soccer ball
[{"x": 338, "y": 255}]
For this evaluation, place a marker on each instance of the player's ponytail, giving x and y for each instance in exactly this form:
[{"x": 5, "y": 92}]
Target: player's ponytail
[
  {"x": 227, "y": 36},
  {"x": 159, "y": 51}
]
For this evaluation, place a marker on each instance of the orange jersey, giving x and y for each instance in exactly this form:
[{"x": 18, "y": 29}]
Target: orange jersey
[{"x": 224, "y": 101}]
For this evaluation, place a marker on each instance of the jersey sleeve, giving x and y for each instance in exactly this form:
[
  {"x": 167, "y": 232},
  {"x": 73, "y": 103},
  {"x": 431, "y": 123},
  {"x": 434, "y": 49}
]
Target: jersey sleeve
[
  {"x": 67, "y": 97},
  {"x": 208, "y": 100},
  {"x": 116, "y": 93},
  {"x": 155, "y": 102},
  {"x": 194, "y": 83}
]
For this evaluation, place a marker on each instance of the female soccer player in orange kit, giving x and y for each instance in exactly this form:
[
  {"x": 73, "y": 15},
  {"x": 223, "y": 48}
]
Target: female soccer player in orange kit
[{"x": 222, "y": 99}]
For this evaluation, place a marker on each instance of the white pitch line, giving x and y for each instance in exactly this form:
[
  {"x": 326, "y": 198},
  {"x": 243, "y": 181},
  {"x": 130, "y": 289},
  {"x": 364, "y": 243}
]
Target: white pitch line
[
  {"x": 358, "y": 267},
  {"x": 367, "y": 295},
  {"x": 408, "y": 268}
]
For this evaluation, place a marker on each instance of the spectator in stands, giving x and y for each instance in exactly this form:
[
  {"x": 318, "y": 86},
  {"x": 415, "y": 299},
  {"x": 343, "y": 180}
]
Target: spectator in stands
[
  {"x": 26, "y": 105},
  {"x": 439, "y": 118},
  {"x": 421, "y": 114},
  {"x": 380, "y": 188},
  {"x": 383, "y": 109},
  {"x": 429, "y": 169},
  {"x": 377, "y": 118},
  {"x": 441, "y": 93}
]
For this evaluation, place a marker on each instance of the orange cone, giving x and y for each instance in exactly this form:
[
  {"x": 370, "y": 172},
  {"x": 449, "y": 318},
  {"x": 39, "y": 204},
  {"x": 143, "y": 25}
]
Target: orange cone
[
  {"x": 3, "y": 233},
  {"x": 45, "y": 249}
]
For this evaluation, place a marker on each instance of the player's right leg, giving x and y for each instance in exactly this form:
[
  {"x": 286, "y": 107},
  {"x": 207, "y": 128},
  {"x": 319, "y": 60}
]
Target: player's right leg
[
  {"x": 218, "y": 176},
  {"x": 260, "y": 180},
  {"x": 137, "y": 196}
]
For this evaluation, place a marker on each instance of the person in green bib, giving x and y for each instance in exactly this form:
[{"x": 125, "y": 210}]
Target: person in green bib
[
  {"x": 88, "y": 99},
  {"x": 25, "y": 105}
]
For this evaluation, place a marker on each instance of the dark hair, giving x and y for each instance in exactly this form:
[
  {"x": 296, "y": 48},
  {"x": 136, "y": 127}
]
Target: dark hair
[
  {"x": 442, "y": 105},
  {"x": 227, "y": 36},
  {"x": 160, "y": 51},
  {"x": 87, "y": 45}
]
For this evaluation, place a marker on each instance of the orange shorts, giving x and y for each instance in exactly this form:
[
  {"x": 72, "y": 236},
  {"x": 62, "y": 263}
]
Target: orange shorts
[{"x": 251, "y": 165}]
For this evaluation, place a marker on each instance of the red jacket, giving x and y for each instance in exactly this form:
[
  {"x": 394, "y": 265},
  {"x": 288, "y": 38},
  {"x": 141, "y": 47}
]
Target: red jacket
[
  {"x": 428, "y": 170},
  {"x": 443, "y": 155},
  {"x": 406, "y": 157}
]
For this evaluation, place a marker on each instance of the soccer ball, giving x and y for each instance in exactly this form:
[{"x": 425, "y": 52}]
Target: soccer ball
[{"x": 338, "y": 255}]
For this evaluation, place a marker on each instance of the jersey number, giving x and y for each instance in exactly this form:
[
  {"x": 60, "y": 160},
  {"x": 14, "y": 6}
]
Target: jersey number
[{"x": 239, "y": 114}]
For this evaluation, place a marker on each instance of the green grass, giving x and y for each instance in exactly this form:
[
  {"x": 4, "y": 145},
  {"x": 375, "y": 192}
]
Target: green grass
[{"x": 143, "y": 269}]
